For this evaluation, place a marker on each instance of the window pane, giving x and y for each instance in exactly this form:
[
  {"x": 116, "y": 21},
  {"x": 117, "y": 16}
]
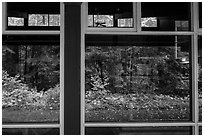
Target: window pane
[
  {"x": 30, "y": 131},
  {"x": 200, "y": 130},
  {"x": 33, "y": 15},
  {"x": 200, "y": 14},
  {"x": 38, "y": 20},
  {"x": 54, "y": 20},
  {"x": 14, "y": 21},
  {"x": 200, "y": 76},
  {"x": 138, "y": 131},
  {"x": 165, "y": 16},
  {"x": 30, "y": 80},
  {"x": 137, "y": 78},
  {"x": 109, "y": 14},
  {"x": 149, "y": 22}
]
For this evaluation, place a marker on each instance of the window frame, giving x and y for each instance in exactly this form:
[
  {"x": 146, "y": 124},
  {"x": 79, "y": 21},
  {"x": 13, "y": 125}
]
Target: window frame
[
  {"x": 60, "y": 32},
  {"x": 93, "y": 29},
  {"x": 18, "y": 32},
  {"x": 194, "y": 32}
]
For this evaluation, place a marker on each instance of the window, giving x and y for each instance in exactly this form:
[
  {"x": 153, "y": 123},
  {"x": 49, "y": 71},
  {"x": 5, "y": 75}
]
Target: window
[
  {"x": 15, "y": 21},
  {"x": 44, "y": 20},
  {"x": 137, "y": 78},
  {"x": 169, "y": 15},
  {"x": 30, "y": 79},
  {"x": 110, "y": 15},
  {"x": 200, "y": 130},
  {"x": 33, "y": 16},
  {"x": 200, "y": 76},
  {"x": 142, "y": 81},
  {"x": 31, "y": 131},
  {"x": 31, "y": 86},
  {"x": 139, "y": 131},
  {"x": 200, "y": 14},
  {"x": 135, "y": 68},
  {"x": 149, "y": 22}
]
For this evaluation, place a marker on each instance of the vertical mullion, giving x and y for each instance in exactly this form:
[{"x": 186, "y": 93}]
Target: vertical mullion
[
  {"x": 84, "y": 16},
  {"x": 84, "y": 19},
  {"x": 2, "y": 28},
  {"x": 138, "y": 17},
  {"x": 134, "y": 4},
  {"x": 4, "y": 17},
  {"x": 194, "y": 48},
  {"x": 62, "y": 68}
]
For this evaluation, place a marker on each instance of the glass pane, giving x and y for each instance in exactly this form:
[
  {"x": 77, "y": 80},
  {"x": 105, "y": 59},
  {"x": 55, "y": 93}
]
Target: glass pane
[
  {"x": 30, "y": 79},
  {"x": 200, "y": 130},
  {"x": 33, "y": 15},
  {"x": 109, "y": 14},
  {"x": 14, "y": 21},
  {"x": 200, "y": 14},
  {"x": 54, "y": 20},
  {"x": 38, "y": 20},
  {"x": 165, "y": 16},
  {"x": 137, "y": 78},
  {"x": 200, "y": 76},
  {"x": 138, "y": 131},
  {"x": 30, "y": 131},
  {"x": 149, "y": 22}
]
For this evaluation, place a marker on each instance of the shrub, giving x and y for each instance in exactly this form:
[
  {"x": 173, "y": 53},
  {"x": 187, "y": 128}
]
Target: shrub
[
  {"x": 172, "y": 79},
  {"x": 18, "y": 95},
  {"x": 53, "y": 98},
  {"x": 14, "y": 92}
]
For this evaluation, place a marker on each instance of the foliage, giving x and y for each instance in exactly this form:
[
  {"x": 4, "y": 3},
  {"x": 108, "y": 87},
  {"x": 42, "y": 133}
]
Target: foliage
[
  {"x": 14, "y": 92},
  {"x": 200, "y": 80},
  {"x": 172, "y": 78},
  {"x": 136, "y": 70},
  {"x": 137, "y": 107},
  {"x": 37, "y": 65},
  {"x": 18, "y": 95}
]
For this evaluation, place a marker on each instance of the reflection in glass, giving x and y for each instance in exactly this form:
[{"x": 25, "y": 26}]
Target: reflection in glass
[
  {"x": 170, "y": 16},
  {"x": 38, "y": 20},
  {"x": 125, "y": 22},
  {"x": 200, "y": 130},
  {"x": 138, "y": 131},
  {"x": 33, "y": 15},
  {"x": 54, "y": 20},
  {"x": 44, "y": 20},
  {"x": 15, "y": 21},
  {"x": 109, "y": 14},
  {"x": 149, "y": 22},
  {"x": 30, "y": 131},
  {"x": 137, "y": 78},
  {"x": 200, "y": 14},
  {"x": 200, "y": 76},
  {"x": 30, "y": 79},
  {"x": 103, "y": 21}
]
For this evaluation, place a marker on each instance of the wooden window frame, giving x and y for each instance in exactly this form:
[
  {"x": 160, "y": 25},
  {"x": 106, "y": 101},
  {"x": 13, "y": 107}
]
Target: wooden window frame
[{"x": 195, "y": 31}]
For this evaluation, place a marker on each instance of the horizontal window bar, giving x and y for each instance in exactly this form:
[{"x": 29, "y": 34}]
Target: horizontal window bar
[
  {"x": 136, "y": 124},
  {"x": 36, "y": 125},
  {"x": 140, "y": 33},
  {"x": 199, "y": 124},
  {"x": 32, "y": 32},
  {"x": 110, "y": 29},
  {"x": 199, "y": 31}
]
